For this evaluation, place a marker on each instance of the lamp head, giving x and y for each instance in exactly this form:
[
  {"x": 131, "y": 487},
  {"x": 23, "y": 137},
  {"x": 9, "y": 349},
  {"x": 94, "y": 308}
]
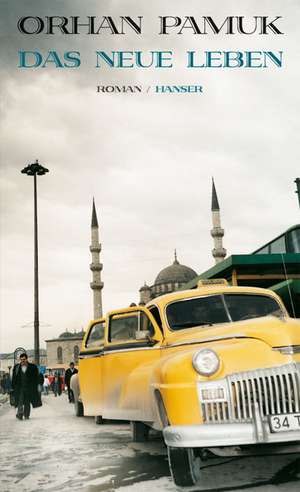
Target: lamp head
[{"x": 35, "y": 168}]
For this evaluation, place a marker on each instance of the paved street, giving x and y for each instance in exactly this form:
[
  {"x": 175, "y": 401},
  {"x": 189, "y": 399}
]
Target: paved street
[{"x": 55, "y": 451}]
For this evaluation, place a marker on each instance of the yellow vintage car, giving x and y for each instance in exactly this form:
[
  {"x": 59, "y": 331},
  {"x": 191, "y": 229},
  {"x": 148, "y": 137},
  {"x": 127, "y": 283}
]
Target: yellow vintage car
[{"x": 216, "y": 369}]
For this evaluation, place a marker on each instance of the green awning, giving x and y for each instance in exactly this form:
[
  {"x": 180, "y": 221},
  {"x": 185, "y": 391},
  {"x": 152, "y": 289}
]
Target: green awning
[
  {"x": 260, "y": 265},
  {"x": 283, "y": 289},
  {"x": 289, "y": 291}
]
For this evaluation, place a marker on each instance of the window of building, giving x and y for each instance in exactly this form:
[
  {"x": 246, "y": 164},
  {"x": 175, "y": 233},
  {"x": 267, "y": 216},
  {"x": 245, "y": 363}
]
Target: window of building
[
  {"x": 263, "y": 251},
  {"x": 76, "y": 354},
  {"x": 278, "y": 246},
  {"x": 294, "y": 241},
  {"x": 59, "y": 355}
]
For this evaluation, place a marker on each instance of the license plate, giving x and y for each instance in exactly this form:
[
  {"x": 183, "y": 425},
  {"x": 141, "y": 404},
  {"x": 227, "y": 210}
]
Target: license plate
[{"x": 285, "y": 422}]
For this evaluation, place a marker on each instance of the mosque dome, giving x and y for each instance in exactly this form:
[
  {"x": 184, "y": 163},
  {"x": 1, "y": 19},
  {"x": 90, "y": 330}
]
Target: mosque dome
[
  {"x": 176, "y": 272},
  {"x": 169, "y": 279},
  {"x": 66, "y": 334}
]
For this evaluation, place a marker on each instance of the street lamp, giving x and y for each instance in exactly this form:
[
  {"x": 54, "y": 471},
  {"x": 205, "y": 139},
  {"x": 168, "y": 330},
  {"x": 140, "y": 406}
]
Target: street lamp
[{"x": 35, "y": 170}]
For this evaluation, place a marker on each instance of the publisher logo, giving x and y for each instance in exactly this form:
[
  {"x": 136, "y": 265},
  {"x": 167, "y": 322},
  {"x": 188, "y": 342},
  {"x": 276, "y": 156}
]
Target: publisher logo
[{"x": 151, "y": 89}]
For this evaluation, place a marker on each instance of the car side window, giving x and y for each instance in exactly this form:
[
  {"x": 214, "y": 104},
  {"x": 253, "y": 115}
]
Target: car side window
[
  {"x": 96, "y": 335},
  {"x": 155, "y": 313},
  {"x": 146, "y": 325},
  {"x": 123, "y": 327}
]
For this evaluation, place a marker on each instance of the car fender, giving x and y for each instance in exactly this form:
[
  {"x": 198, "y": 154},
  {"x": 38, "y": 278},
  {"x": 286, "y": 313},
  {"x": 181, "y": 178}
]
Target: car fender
[{"x": 74, "y": 385}]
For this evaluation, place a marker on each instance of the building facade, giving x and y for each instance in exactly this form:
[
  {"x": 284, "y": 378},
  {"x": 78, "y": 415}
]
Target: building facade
[{"x": 64, "y": 349}]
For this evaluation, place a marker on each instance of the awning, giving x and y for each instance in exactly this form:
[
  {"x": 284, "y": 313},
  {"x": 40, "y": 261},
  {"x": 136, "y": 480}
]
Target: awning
[{"x": 289, "y": 291}]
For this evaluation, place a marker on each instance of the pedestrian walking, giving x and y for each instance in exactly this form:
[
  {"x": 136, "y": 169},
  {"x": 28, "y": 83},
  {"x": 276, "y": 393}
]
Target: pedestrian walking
[
  {"x": 69, "y": 373},
  {"x": 56, "y": 385},
  {"x": 25, "y": 382},
  {"x": 46, "y": 385}
]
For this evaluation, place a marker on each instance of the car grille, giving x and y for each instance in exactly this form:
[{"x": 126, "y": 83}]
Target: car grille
[{"x": 275, "y": 390}]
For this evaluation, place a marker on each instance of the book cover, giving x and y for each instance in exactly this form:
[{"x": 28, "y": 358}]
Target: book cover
[{"x": 137, "y": 105}]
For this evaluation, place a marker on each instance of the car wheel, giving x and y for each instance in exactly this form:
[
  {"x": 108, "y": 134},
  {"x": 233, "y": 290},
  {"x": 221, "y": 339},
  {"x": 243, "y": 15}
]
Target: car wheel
[
  {"x": 184, "y": 466},
  {"x": 99, "y": 420},
  {"x": 139, "y": 431},
  {"x": 78, "y": 406}
]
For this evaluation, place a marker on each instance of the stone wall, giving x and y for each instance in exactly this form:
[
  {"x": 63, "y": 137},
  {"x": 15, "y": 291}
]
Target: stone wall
[{"x": 67, "y": 346}]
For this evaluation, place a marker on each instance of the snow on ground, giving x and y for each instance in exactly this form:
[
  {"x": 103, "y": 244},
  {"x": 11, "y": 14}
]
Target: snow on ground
[{"x": 56, "y": 452}]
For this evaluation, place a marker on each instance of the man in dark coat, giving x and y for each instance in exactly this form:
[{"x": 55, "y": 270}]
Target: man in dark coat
[
  {"x": 69, "y": 373},
  {"x": 25, "y": 380}
]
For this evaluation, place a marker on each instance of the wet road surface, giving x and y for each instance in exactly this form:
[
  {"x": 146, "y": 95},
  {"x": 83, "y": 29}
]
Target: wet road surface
[{"x": 56, "y": 451}]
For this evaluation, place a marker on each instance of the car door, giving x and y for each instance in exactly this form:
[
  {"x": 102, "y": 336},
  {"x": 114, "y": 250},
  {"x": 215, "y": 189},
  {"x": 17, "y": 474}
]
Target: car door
[
  {"x": 131, "y": 351},
  {"x": 90, "y": 368}
]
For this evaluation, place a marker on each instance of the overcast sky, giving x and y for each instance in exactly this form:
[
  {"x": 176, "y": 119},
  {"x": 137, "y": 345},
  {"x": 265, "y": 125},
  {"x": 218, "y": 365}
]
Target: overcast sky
[{"x": 147, "y": 159}]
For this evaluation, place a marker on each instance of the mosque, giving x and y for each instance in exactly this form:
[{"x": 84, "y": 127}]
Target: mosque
[
  {"x": 170, "y": 278},
  {"x": 66, "y": 347}
]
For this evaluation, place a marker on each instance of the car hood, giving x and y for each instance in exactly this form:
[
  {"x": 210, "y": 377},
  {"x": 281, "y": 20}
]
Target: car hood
[{"x": 271, "y": 330}]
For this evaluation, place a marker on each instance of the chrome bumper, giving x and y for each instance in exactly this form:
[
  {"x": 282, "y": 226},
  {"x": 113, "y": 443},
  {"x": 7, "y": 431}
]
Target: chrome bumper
[{"x": 235, "y": 434}]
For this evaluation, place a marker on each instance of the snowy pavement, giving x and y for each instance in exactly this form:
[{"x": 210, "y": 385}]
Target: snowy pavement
[{"x": 55, "y": 451}]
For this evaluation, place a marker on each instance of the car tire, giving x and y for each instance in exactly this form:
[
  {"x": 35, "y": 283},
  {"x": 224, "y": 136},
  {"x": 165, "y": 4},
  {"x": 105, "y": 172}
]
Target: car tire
[
  {"x": 78, "y": 406},
  {"x": 99, "y": 420},
  {"x": 184, "y": 466},
  {"x": 139, "y": 431}
]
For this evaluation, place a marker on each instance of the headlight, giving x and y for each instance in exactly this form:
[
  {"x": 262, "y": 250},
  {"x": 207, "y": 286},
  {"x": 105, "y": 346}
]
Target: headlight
[{"x": 206, "y": 362}]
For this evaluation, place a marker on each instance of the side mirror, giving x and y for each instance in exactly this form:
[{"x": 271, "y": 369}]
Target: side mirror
[{"x": 142, "y": 335}]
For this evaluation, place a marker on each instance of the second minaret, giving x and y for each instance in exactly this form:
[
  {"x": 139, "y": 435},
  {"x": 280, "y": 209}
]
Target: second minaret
[
  {"x": 217, "y": 232},
  {"x": 96, "y": 266}
]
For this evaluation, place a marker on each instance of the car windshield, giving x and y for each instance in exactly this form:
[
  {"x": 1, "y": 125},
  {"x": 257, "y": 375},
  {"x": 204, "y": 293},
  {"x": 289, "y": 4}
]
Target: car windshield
[{"x": 214, "y": 309}]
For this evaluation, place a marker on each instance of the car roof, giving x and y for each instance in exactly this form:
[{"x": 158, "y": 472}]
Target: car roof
[{"x": 207, "y": 290}]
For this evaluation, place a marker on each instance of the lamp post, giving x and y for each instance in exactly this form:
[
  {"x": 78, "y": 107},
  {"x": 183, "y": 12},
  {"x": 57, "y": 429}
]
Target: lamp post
[{"x": 35, "y": 170}]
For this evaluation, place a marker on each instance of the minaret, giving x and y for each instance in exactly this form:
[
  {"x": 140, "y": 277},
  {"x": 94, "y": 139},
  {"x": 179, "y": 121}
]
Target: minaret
[
  {"x": 217, "y": 232},
  {"x": 96, "y": 266},
  {"x": 176, "y": 262},
  {"x": 145, "y": 294}
]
